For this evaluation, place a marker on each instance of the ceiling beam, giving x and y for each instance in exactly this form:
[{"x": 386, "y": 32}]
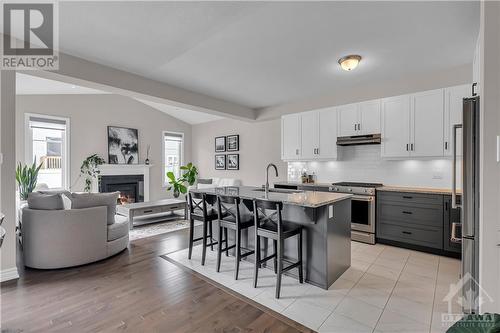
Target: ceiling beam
[{"x": 89, "y": 74}]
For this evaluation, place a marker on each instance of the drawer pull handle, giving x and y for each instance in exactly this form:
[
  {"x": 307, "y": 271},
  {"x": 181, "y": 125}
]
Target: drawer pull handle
[
  {"x": 147, "y": 211},
  {"x": 407, "y": 212},
  {"x": 406, "y": 232},
  {"x": 407, "y": 197},
  {"x": 174, "y": 207}
]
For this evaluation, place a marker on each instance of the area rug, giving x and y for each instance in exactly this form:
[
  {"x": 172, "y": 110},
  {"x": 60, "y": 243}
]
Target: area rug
[{"x": 149, "y": 230}]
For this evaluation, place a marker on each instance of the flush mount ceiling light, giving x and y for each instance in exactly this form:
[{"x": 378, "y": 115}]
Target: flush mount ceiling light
[{"x": 348, "y": 63}]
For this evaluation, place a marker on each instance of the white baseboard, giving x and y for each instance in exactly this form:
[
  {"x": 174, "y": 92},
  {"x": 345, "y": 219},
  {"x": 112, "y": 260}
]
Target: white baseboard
[{"x": 9, "y": 274}]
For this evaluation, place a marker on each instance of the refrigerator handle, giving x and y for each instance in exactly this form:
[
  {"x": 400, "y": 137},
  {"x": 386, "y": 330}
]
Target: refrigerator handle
[
  {"x": 454, "y": 169},
  {"x": 454, "y": 237}
]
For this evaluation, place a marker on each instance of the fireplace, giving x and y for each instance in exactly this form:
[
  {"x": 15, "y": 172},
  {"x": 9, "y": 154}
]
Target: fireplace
[{"x": 131, "y": 187}]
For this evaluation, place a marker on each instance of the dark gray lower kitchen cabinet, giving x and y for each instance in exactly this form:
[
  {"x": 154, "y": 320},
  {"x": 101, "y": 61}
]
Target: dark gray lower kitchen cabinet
[
  {"x": 416, "y": 220},
  {"x": 410, "y": 218}
]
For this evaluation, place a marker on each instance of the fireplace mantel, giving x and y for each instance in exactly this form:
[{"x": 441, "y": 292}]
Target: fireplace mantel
[{"x": 125, "y": 169}]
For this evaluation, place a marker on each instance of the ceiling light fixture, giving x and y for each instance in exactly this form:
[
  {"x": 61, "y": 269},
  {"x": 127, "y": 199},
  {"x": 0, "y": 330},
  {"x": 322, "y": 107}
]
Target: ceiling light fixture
[{"x": 348, "y": 63}]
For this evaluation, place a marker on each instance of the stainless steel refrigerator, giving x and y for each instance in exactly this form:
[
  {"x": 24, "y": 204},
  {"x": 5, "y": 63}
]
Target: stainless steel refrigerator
[{"x": 467, "y": 229}]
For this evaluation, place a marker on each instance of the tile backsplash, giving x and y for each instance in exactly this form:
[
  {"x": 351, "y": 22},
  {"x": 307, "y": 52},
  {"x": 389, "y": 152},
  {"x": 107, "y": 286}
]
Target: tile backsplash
[{"x": 364, "y": 164}]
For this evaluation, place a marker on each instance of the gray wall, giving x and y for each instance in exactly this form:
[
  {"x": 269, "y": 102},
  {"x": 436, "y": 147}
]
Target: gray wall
[
  {"x": 89, "y": 117},
  {"x": 260, "y": 144}
]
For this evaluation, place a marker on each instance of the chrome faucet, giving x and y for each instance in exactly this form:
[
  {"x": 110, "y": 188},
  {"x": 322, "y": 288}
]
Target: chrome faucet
[{"x": 266, "y": 188}]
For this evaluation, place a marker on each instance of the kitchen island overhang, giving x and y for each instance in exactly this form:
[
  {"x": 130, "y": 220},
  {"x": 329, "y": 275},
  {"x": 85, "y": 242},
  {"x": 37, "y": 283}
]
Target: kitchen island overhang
[{"x": 326, "y": 218}]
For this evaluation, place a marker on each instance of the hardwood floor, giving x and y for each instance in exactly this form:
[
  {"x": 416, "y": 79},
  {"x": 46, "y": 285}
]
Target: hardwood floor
[{"x": 134, "y": 291}]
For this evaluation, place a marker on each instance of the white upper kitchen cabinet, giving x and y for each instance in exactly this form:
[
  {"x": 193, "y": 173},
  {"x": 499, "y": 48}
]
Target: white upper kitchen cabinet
[
  {"x": 359, "y": 119},
  {"x": 427, "y": 121},
  {"x": 369, "y": 117},
  {"x": 348, "y": 120},
  {"x": 309, "y": 135},
  {"x": 327, "y": 134},
  {"x": 453, "y": 106},
  {"x": 395, "y": 127},
  {"x": 290, "y": 137}
]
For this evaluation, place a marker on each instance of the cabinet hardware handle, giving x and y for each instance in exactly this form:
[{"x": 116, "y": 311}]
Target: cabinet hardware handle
[
  {"x": 407, "y": 197},
  {"x": 411, "y": 146},
  {"x": 354, "y": 126},
  {"x": 359, "y": 127},
  {"x": 296, "y": 151},
  {"x": 407, "y": 212},
  {"x": 147, "y": 211},
  {"x": 317, "y": 151},
  {"x": 406, "y": 232},
  {"x": 474, "y": 89},
  {"x": 406, "y": 147},
  {"x": 446, "y": 145}
]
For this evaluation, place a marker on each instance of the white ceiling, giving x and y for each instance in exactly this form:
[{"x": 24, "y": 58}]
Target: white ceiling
[
  {"x": 261, "y": 54},
  {"x": 32, "y": 85}
]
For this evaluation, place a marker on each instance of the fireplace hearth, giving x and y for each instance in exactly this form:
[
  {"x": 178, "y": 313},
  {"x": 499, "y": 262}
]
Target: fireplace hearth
[{"x": 131, "y": 187}]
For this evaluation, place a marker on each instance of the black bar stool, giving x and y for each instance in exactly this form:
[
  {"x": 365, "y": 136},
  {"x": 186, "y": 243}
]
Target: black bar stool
[
  {"x": 272, "y": 226},
  {"x": 230, "y": 218},
  {"x": 199, "y": 211}
]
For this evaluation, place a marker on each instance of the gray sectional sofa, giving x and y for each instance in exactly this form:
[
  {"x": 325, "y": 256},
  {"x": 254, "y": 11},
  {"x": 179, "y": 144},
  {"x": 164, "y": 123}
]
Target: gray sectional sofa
[{"x": 58, "y": 237}]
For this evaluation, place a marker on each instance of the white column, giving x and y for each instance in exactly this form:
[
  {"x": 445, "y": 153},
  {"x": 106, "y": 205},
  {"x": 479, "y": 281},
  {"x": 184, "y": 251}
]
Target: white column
[
  {"x": 7, "y": 172},
  {"x": 489, "y": 261}
]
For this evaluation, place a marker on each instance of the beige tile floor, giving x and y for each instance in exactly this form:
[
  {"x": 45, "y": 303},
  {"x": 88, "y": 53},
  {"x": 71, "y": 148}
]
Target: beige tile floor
[{"x": 387, "y": 289}]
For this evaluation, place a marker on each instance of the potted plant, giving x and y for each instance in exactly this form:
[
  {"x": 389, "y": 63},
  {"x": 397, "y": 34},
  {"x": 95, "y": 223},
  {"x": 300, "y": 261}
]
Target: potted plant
[
  {"x": 90, "y": 170},
  {"x": 179, "y": 185},
  {"x": 26, "y": 177}
]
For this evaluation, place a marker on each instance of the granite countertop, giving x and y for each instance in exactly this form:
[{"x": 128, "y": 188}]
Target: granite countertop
[
  {"x": 411, "y": 189},
  {"x": 304, "y": 184},
  {"x": 310, "y": 199}
]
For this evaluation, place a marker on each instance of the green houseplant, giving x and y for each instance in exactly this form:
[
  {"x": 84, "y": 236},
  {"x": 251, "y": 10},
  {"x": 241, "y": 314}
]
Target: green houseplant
[
  {"x": 90, "y": 170},
  {"x": 26, "y": 177},
  {"x": 179, "y": 185}
]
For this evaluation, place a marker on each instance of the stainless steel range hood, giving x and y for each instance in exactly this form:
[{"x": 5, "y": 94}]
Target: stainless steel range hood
[{"x": 371, "y": 139}]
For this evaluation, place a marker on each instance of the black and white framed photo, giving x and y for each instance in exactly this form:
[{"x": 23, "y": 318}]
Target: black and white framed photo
[
  {"x": 233, "y": 161},
  {"x": 220, "y": 144},
  {"x": 220, "y": 162},
  {"x": 233, "y": 142},
  {"x": 123, "y": 145}
]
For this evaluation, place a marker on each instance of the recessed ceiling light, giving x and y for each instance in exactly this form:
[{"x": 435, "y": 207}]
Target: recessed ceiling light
[{"x": 348, "y": 63}]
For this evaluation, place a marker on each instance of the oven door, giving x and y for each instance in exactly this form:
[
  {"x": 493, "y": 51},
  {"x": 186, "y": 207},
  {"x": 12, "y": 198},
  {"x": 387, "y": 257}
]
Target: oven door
[{"x": 363, "y": 213}]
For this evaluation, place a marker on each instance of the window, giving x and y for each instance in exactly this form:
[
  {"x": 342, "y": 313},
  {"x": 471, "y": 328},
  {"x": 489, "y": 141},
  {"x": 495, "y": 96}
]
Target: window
[
  {"x": 47, "y": 144},
  {"x": 172, "y": 154}
]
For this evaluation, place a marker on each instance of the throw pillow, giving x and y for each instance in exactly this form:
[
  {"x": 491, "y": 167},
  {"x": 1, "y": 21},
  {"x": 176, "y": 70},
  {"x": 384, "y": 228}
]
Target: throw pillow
[
  {"x": 88, "y": 200},
  {"x": 41, "y": 201},
  {"x": 65, "y": 195}
]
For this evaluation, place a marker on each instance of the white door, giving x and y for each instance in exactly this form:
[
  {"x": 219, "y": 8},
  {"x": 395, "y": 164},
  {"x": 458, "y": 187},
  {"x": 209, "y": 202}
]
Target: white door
[
  {"x": 369, "y": 117},
  {"x": 427, "y": 128},
  {"x": 395, "y": 127},
  {"x": 290, "y": 137},
  {"x": 348, "y": 119},
  {"x": 328, "y": 133},
  {"x": 309, "y": 135},
  {"x": 453, "y": 106}
]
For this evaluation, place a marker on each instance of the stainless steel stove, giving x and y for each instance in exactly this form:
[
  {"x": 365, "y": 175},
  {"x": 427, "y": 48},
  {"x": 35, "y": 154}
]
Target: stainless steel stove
[{"x": 362, "y": 208}]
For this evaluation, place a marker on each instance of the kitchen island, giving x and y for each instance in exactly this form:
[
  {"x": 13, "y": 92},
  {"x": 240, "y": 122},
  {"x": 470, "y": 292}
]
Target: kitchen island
[{"x": 326, "y": 218}]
